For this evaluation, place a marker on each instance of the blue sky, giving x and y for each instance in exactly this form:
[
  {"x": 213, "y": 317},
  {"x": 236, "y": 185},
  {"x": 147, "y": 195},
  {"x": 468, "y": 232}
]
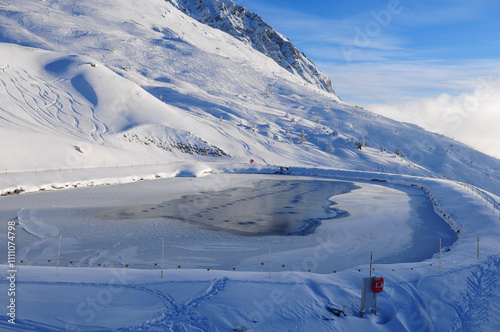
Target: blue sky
[{"x": 397, "y": 56}]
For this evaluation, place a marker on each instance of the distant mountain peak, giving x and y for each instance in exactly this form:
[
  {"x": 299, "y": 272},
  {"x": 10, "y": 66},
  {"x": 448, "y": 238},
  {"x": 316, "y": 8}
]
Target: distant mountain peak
[{"x": 249, "y": 27}]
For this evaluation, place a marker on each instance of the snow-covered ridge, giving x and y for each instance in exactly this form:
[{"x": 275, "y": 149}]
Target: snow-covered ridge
[{"x": 249, "y": 27}]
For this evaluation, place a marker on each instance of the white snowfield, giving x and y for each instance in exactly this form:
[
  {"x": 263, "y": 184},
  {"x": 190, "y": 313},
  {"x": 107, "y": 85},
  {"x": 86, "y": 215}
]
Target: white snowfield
[{"x": 130, "y": 115}]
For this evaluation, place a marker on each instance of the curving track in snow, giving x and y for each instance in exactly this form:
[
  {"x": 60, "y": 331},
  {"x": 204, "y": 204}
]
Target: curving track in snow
[{"x": 35, "y": 104}]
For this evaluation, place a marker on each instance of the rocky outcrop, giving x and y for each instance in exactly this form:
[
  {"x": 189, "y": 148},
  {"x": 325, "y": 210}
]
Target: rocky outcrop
[{"x": 249, "y": 27}]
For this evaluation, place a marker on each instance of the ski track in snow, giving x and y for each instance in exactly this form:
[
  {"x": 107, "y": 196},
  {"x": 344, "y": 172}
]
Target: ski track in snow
[
  {"x": 175, "y": 317},
  {"x": 38, "y": 106},
  {"x": 182, "y": 317},
  {"x": 478, "y": 309}
]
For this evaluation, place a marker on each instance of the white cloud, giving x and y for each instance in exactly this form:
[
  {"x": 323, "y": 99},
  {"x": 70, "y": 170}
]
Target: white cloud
[
  {"x": 472, "y": 118},
  {"x": 399, "y": 81}
]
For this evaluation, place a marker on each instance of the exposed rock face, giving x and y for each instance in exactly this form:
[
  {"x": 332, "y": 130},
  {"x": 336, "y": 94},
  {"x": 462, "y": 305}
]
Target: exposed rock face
[{"x": 249, "y": 27}]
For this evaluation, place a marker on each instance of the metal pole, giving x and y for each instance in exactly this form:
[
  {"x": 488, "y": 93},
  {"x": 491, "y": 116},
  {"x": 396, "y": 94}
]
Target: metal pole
[
  {"x": 162, "y": 248},
  {"x": 478, "y": 247},
  {"x": 269, "y": 262},
  {"x": 58, "y": 255},
  {"x": 371, "y": 259},
  {"x": 440, "y": 254}
]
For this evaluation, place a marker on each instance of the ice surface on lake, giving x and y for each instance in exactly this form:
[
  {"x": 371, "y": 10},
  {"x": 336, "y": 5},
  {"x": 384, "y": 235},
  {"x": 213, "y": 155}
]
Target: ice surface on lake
[{"x": 269, "y": 207}]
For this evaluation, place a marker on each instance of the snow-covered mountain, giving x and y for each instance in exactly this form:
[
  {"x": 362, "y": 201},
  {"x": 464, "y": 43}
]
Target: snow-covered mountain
[
  {"x": 99, "y": 92},
  {"x": 125, "y": 82},
  {"x": 249, "y": 27}
]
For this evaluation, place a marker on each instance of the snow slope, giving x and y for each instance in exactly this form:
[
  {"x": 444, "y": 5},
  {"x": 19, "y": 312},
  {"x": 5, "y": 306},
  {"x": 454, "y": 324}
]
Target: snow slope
[{"x": 164, "y": 83}]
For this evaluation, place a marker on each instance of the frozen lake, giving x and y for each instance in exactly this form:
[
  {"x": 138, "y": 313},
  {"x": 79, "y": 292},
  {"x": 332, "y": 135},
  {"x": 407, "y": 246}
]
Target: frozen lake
[
  {"x": 266, "y": 207},
  {"x": 229, "y": 221}
]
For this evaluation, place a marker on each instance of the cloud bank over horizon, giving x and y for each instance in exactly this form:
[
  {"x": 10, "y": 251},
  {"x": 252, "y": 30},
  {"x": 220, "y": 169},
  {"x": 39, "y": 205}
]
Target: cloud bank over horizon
[{"x": 471, "y": 118}]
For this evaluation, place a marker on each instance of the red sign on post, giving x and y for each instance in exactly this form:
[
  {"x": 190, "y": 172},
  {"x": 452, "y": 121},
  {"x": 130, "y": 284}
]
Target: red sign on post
[{"x": 378, "y": 285}]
